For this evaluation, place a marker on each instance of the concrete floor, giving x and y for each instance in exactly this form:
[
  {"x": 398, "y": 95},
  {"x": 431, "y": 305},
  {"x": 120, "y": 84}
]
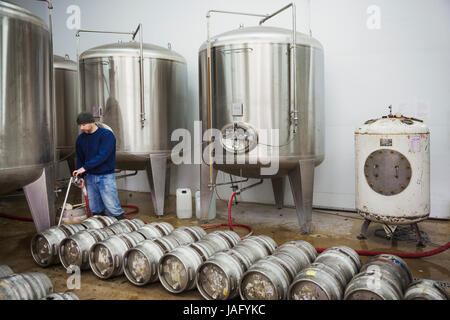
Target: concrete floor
[{"x": 329, "y": 229}]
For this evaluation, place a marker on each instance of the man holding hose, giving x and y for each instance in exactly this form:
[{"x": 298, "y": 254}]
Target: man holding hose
[{"x": 96, "y": 161}]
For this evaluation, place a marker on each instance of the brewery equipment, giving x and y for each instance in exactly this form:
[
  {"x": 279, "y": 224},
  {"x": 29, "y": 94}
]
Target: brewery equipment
[
  {"x": 139, "y": 91},
  {"x": 262, "y": 89}
]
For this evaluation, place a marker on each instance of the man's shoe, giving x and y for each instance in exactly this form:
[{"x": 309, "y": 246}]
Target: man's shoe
[
  {"x": 120, "y": 217},
  {"x": 98, "y": 214}
]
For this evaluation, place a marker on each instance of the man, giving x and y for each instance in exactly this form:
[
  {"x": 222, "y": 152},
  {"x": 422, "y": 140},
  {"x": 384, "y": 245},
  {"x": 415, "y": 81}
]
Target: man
[{"x": 96, "y": 161}]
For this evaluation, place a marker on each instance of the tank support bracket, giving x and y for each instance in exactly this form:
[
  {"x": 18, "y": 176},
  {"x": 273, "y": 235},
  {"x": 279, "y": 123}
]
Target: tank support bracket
[
  {"x": 206, "y": 192},
  {"x": 157, "y": 171},
  {"x": 41, "y": 199},
  {"x": 278, "y": 191},
  {"x": 302, "y": 184}
]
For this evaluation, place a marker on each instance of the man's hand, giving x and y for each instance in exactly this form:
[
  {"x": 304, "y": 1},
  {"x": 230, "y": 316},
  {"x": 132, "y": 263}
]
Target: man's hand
[{"x": 79, "y": 171}]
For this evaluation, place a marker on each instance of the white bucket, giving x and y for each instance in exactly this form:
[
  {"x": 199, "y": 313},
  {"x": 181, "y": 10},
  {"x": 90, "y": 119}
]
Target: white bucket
[{"x": 184, "y": 203}]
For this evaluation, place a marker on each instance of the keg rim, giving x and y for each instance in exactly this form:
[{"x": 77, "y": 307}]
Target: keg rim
[
  {"x": 34, "y": 251},
  {"x": 307, "y": 280},
  {"x": 128, "y": 274},
  {"x": 94, "y": 267},
  {"x": 277, "y": 292},
  {"x": 62, "y": 257},
  {"x": 200, "y": 288},
  {"x": 162, "y": 279}
]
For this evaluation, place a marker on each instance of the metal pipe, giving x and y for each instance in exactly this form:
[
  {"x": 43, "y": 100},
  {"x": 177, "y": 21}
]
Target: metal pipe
[
  {"x": 127, "y": 175},
  {"x": 226, "y": 183},
  {"x": 141, "y": 74},
  {"x": 294, "y": 55},
  {"x": 65, "y": 200},
  {"x": 236, "y": 12},
  {"x": 250, "y": 186},
  {"x": 141, "y": 60},
  {"x": 100, "y": 31},
  {"x": 52, "y": 89}
]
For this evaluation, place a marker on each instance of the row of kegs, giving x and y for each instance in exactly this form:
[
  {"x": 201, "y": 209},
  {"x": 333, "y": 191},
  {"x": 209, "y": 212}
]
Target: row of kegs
[
  {"x": 222, "y": 266},
  {"x": 29, "y": 286}
]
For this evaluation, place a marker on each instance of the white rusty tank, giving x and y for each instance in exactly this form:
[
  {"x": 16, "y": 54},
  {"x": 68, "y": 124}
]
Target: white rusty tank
[{"x": 392, "y": 166}]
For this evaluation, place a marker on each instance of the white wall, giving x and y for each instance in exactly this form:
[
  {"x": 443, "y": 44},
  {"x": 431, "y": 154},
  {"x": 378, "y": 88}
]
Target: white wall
[{"x": 405, "y": 63}]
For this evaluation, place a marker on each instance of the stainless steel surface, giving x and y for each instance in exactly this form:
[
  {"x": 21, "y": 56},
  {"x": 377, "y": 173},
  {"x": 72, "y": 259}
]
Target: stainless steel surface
[
  {"x": 62, "y": 296},
  {"x": 343, "y": 259},
  {"x": 374, "y": 284},
  {"x": 45, "y": 246},
  {"x": 251, "y": 66},
  {"x": 150, "y": 232},
  {"x": 388, "y": 172},
  {"x": 5, "y": 271},
  {"x": 318, "y": 281},
  {"x": 110, "y": 89},
  {"x": 92, "y": 223},
  {"x": 141, "y": 263},
  {"x": 218, "y": 277},
  {"x": 26, "y": 107},
  {"x": 106, "y": 257},
  {"x": 269, "y": 278},
  {"x": 294, "y": 113},
  {"x": 25, "y": 286},
  {"x": 194, "y": 232},
  {"x": 392, "y": 264},
  {"x": 41, "y": 198},
  {"x": 177, "y": 268},
  {"x": 301, "y": 180},
  {"x": 425, "y": 290},
  {"x": 66, "y": 106},
  {"x": 142, "y": 102},
  {"x": 74, "y": 250}
]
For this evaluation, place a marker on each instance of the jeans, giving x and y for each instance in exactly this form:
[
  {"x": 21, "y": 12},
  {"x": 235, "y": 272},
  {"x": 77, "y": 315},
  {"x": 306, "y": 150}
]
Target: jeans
[{"x": 102, "y": 194}]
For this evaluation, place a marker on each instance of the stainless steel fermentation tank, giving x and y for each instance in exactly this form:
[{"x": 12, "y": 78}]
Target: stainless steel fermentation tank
[
  {"x": 27, "y": 111},
  {"x": 67, "y": 108},
  {"x": 110, "y": 85},
  {"x": 254, "y": 89}
]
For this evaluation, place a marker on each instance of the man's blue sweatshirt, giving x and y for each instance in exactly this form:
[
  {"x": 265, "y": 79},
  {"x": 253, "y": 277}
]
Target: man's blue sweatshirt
[{"x": 96, "y": 152}]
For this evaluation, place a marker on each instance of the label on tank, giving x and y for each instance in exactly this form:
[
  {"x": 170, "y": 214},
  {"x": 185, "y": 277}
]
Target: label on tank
[
  {"x": 414, "y": 144},
  {"x": 385, "y": 142}
]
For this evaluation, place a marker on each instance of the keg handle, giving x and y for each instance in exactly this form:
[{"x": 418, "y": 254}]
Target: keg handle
[
  {"x": 65, "y": 200},
  {"x": 141, "y": 60},
  {"x": 294, "y": 113}
]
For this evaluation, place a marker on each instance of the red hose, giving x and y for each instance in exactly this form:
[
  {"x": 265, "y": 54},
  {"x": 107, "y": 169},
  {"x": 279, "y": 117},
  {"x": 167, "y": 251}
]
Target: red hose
[
  {"x": 7, "y": 216},
  {"x": 230, "y": 224},
  {"x": 230, "y": 203},
  {"x": 410, "y": 255}
]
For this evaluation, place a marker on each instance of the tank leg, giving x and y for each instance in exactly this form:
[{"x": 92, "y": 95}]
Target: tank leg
[
  {"x": 156, "y": 171},
  {"x": 167, "y": 188},
  {"x": 278, "y": 191},
  {"x": 71, "y": 164},
  {"x": 389, "y": 229},
  {"x": 41, "y": 199},
  {"x": 302, "y": 183},
  {"x": 420, "y": 242},
  {"x": 206, "y": 192},
  {"x": 363, "y": 232}
]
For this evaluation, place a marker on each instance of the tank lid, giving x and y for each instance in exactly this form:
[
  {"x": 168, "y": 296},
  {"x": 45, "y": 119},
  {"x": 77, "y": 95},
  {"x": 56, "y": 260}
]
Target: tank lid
[
  {"x": 131, "y": 49},
  {"x": 261, "y": 34},
  {"x": 64, "y": 63},
  {"x": 15, "y": 11},
  {"x": 393, "y": 124}
]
